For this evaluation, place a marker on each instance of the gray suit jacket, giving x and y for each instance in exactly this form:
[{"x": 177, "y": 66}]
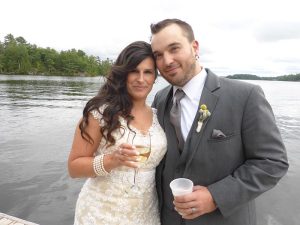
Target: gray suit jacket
[{"x": 238, "y": 154}]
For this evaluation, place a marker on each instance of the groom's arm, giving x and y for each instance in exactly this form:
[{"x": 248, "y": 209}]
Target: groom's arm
[{"x": 265, "y": 162}]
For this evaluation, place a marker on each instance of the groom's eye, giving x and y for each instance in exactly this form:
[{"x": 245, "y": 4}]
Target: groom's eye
[{"x": 157, "y": 56}]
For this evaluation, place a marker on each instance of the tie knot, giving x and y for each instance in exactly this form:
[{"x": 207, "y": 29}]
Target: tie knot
[{"x": 179, "y": 94}]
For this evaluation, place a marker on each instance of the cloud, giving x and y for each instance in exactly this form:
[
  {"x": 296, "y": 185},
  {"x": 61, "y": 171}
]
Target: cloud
[
  {"x": 277, "y": 31},
  {"x": 251, "y": 36}
]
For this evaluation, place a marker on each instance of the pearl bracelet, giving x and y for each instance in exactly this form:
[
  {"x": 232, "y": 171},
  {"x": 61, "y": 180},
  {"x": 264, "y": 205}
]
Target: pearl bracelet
[{"x": 98, "y": 165}]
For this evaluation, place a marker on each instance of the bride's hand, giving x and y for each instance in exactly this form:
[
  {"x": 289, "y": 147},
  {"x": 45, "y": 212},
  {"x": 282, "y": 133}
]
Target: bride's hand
[{"x": 125, "y": 155}]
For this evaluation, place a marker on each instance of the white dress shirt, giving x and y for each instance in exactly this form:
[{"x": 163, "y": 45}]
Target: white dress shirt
[{"x": 190, "y": 102}]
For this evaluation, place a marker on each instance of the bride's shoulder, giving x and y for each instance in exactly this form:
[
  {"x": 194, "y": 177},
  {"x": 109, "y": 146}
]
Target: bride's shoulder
[{"x": 97, "y": 113}]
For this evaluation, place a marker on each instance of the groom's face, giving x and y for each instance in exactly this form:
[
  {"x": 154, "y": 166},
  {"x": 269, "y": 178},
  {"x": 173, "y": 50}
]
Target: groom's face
[{"x": 175, "y": 55}]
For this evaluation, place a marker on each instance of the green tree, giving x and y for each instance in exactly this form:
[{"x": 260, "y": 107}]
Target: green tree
[
  {"x": 21, "y": 40},
  {"x": 1, "y": 57},
  {"x": 105, "y": 66},
  {"x": 19, "y": 57},
  {"x": 15, "y": 56},
  {"x": 9, "y": 39}
]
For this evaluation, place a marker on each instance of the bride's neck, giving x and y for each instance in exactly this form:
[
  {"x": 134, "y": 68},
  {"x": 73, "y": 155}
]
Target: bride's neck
[{"x": 139, "y": 107}]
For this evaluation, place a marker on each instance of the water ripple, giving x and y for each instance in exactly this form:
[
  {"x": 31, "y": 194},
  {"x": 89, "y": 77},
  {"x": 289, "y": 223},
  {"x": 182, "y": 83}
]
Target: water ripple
[{"x": 38, "y": 119}]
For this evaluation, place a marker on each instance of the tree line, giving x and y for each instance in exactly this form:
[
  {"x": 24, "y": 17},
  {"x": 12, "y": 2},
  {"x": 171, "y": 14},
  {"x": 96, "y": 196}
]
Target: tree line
[
  {"x": 19, "y": 57},
  {"x": 291, "y": 77}
]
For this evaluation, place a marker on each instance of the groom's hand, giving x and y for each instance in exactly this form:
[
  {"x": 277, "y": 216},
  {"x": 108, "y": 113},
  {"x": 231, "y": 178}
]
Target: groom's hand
[{"x": 195, "y": 204}]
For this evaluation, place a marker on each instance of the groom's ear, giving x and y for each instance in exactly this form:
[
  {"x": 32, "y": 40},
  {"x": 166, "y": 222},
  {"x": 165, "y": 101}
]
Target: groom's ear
[{"x": 195, "y": 45}]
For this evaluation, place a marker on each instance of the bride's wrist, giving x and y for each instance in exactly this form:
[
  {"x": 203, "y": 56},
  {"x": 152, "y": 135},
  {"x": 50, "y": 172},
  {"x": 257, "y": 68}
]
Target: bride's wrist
[
  {"x": 109, "y": 162},
  {"x": 98, "y": 165}
]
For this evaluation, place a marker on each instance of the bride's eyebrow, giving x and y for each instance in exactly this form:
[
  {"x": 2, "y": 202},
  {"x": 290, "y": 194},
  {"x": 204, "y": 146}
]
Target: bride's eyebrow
[{"x": 149, "y": 70}]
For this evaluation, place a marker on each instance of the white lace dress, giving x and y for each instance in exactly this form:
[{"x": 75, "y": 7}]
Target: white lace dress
[{"x": 109, "y": 199}]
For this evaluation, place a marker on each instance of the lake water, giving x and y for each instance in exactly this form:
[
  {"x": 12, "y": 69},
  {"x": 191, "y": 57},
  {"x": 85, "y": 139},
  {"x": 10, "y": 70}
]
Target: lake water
[{"x": 38, "y": 118}]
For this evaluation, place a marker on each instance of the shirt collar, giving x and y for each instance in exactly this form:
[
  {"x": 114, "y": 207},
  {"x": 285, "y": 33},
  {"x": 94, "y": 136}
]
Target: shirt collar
[{"x": 191, "y": 88}]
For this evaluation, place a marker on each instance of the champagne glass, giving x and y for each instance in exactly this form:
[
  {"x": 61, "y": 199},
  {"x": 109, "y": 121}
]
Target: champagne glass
[{"x": 142, "y": 143}]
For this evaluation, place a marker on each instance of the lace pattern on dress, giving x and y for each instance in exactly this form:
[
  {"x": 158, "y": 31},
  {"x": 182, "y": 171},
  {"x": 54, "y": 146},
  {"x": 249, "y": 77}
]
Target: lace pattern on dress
[{"x": 103, "y": 200}]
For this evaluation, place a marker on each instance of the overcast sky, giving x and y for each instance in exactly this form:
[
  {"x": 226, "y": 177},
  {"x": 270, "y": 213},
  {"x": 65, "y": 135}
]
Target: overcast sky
[{"x": 259, "y": 37}]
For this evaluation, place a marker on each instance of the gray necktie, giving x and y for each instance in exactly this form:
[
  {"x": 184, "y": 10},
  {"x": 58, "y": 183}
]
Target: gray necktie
[{"x": 175, "y": 117}]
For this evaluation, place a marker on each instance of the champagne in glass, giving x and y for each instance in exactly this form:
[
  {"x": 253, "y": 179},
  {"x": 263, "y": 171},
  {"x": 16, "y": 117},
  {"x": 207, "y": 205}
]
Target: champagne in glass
[
  {"x": 144, "y": 152},
  {"x": 142, "y": 143}
]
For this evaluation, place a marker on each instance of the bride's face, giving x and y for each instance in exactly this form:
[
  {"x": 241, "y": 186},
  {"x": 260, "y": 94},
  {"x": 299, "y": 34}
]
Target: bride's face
[{"x": 140, "y": 81}]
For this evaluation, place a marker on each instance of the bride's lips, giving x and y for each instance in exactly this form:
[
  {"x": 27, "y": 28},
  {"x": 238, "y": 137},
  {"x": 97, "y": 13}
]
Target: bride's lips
[{"x": 140, "y": 87}]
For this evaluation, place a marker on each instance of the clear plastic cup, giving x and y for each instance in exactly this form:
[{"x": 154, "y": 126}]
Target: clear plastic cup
[{"x": 181, "y": 186}]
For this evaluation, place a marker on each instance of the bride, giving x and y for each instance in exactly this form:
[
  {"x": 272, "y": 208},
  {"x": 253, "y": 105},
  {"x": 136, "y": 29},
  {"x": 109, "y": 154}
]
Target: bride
[{"x": 116, "y": 192}]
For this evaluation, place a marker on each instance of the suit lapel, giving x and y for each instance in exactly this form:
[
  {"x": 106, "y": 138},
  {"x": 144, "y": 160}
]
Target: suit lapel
[{"x": 209, "y": 98}]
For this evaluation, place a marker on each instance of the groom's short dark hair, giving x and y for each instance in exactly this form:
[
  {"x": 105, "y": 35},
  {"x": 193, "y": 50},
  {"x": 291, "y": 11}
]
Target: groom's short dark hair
[{"x": 186, "y": 28}]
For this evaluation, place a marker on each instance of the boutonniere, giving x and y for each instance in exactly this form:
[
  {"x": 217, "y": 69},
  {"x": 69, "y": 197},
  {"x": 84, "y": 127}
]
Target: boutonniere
[{"x": 204, "y": 114}]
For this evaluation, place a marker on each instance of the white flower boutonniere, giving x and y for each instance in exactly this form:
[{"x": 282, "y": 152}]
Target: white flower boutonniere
[{"x": 204, "y": 114}]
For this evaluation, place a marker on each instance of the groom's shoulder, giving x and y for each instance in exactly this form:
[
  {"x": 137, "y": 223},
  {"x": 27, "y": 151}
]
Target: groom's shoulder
[
  {"x": 161, "y": 96},
  {"x": 232, "y": 86},
  {"x": 235, "y": 85},
  {"x": 162, "y": 93}
]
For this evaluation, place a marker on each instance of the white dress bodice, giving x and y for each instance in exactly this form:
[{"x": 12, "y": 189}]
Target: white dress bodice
[{"x": 109, "y": 199}]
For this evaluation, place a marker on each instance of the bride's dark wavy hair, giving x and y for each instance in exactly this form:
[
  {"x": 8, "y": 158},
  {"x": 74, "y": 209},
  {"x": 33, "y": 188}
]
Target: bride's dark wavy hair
[{"x": 113, "y": 94}]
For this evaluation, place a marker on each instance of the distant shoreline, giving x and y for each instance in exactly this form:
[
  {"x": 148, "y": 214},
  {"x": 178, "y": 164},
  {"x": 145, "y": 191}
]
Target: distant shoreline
[
  {"x": 18, "y": 57},
  {"x": 51, "y": 75},
  {"x": 291, "y": 77}
]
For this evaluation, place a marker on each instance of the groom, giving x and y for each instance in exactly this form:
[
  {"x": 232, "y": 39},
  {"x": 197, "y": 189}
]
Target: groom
[{"x": 231, "y": 149}]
